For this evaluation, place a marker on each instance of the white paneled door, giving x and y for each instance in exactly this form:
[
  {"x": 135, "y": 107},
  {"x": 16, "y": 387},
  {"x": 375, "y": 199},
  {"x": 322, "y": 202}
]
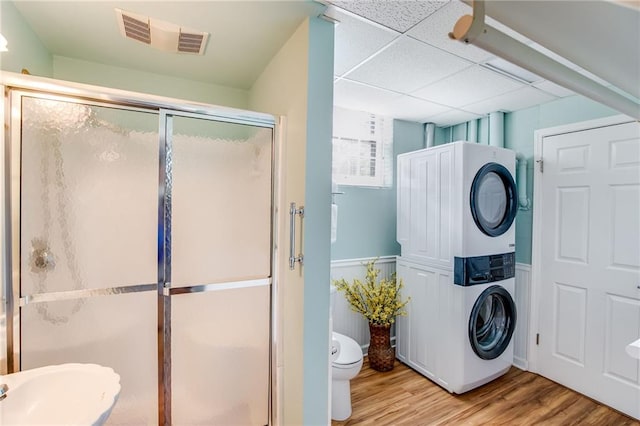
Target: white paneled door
[{"x": 589, "y": 262}]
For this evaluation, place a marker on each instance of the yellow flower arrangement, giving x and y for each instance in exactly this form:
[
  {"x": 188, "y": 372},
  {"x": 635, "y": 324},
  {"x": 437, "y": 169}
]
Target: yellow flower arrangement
[{"x": 379, "y": 301}]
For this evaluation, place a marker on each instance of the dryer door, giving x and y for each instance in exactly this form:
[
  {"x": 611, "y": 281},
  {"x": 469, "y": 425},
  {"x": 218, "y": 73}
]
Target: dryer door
[
  {"x": 494, "y": 201},
  {"x": 492, "y": 321}
]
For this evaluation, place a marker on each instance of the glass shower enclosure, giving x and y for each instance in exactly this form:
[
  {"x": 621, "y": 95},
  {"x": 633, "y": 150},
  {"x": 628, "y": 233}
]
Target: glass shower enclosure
[{"x": 139, "y": 236}]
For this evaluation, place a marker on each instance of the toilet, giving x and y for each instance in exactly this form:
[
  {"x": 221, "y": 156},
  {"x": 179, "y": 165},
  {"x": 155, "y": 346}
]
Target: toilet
[{"x": 346, "y": 362}]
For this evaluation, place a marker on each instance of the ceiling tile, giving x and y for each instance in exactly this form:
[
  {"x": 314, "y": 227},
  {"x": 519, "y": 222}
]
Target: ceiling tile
[
  {"x": 452, "y": 117},
  {"x": 512, "y": 101},
  {"x": 412, "y": 109},
  {"x": 553, "y": 88},
  {"x": 357, "y": 96},
  {"x": 356, "y": 40},
  {"x": 399, "y": 15},
  {"x": 469, "y": 86},
  {"x": 435, "y": 31},
  {"x": 407, "y": 65}
]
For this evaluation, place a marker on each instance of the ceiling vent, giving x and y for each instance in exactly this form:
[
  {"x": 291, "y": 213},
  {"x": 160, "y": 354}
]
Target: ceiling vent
[{"x": 160, "y": 34}]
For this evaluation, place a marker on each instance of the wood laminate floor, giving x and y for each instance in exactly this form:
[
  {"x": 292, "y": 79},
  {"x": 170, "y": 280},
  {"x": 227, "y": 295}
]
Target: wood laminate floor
[{"x": 404, "y": 397}]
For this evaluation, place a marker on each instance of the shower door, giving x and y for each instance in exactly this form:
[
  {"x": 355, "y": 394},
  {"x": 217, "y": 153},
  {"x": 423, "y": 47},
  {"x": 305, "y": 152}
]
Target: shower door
[
  {"x": 218, "y": 193},
  {"x": 87, "y": 254},
  {"x": 142, "y": 240}
]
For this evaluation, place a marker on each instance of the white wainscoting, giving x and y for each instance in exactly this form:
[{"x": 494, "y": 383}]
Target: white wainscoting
[
  {"x": 354, "y": 325},
  {"x": 345, "y": 321},
  {"x": 522, "y": 299}
]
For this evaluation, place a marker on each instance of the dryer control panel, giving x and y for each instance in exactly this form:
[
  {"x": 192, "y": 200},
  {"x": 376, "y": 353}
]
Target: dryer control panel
[{"x": 476, "y": 270}]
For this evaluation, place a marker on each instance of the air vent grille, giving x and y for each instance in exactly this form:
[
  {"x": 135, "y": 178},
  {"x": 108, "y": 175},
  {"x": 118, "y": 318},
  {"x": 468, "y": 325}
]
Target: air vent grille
[
  {"x": 190, "y": 43},
  {"x": 137, "y": 30},
  {"x": 160, "y": 34}
]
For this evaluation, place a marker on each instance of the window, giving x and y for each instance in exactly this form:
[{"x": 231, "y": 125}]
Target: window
[{"x": 362, "y": 148}]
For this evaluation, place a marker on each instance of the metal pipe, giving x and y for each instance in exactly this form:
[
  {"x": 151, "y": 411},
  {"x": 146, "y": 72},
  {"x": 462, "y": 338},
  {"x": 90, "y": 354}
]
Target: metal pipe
[
  {"x": 496, "y": 129},
  {"x": 524, "y": 203},
  {"x": 473, "y": 30},
  {"x": 472, "y": 131},
  {"x": 429, "y": 135}
]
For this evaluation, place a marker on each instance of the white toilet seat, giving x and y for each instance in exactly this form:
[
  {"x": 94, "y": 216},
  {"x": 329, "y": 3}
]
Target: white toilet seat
[{"x": 350, "y": 352}]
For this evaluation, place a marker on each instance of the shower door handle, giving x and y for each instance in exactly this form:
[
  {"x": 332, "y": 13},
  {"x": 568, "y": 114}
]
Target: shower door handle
[{"x": 293, "y": 212}]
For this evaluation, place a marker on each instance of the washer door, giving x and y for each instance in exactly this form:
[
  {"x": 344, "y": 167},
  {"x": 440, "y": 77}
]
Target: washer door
[
  {"x": 492, "y": 321},
  {"x": 493, "y": 199}
]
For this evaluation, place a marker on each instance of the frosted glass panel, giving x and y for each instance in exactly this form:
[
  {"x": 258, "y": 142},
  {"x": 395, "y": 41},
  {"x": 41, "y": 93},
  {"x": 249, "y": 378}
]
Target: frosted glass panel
[
  {"x": 116, "y": 331},
  {"x": 89, "y": 196},
  {"x": 220, "y": 357},
  {"x": 221, "y": 202}
]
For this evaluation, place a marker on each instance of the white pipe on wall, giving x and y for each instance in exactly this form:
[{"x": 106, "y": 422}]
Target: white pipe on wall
[
  {"x": 429, "y": 135},
  {"x": 472, "y": 131},
  {"x": 496, "y": 129},
  {"x": 496, "y": 138},
  {"x": 521, "y": 182}
]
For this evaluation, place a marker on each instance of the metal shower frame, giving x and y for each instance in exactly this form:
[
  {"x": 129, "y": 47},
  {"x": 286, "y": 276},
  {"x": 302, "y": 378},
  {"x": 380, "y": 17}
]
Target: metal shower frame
[{"x": 15, "y": 86}]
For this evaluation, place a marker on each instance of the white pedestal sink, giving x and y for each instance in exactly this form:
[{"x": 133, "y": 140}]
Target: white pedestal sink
[{"x": 66, "y": 394}]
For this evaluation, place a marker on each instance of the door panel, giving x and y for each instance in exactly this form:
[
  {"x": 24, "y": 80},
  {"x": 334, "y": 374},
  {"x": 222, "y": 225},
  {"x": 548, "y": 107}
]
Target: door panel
[
  {"x": 125, "y": 342},
  {"x": 221, "y": 239},
  {"x": 221, "y": 202},
  {"x": 88, "y": 196},
  {"x": 88, "y": 203},
  {"x": 220, "y": 357},
  {"x": 590, "y": 258}
]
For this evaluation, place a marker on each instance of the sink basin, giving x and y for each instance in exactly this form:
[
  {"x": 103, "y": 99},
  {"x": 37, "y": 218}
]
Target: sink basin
[{"x": 66, "y": 394}]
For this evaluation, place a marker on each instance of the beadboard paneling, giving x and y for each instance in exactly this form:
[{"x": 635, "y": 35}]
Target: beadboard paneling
[
  {"x": 352, "y": 324},
  {"x": 522, "y": 299},
  {"x": 345, "y": 321}
]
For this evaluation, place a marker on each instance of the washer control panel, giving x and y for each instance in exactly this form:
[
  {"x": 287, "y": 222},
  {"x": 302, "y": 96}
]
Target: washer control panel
[{"x": 476, "y": 270}]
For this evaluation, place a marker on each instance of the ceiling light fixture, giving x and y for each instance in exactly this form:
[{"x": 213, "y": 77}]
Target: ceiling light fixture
[
  {"x": 3, "y": 44},
  {"x": 473, "y": 30},
  {"x": 160, "y": 34}
]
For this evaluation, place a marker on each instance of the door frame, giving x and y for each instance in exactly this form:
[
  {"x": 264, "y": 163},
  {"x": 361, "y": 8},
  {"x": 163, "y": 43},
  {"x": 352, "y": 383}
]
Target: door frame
[{"x": 537, "y": 234}]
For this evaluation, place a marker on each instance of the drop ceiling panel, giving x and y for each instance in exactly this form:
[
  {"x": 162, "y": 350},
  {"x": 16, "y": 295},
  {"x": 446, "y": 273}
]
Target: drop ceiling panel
[
  {"x": 553, "y": 88},
  {"x": 452, "y": 117},
  {"x": 469, "y": 86},
  {"x": 512, "y": 101},
  {"x": 435, "y": 31},
  {"x": 407, "y": 65},
  {"x": 356, "y": 40},
  {"x": 397, "y": 15},
  {"x": 356, "y": 96},
  {"x": 602, "y": 37},
  {"x": 413, "y": 109}
]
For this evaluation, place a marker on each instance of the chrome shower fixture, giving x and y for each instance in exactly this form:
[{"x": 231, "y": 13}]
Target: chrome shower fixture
[{"x": 41, "y": 259}]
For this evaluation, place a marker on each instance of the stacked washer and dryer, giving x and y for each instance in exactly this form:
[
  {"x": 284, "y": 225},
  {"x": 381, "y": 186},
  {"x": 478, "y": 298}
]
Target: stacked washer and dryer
[{"x": 456, "y": 209}]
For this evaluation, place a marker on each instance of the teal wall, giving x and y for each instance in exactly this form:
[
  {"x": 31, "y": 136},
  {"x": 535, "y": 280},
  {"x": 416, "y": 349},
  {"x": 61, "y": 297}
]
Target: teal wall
[
  {"x": 519, "y": 136},
  {"x": 81, "y": 71},
  {"x": 317, "y": 221},
  {"x": 367, "y": 216},
  {"x": 25, "y": 48}
]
